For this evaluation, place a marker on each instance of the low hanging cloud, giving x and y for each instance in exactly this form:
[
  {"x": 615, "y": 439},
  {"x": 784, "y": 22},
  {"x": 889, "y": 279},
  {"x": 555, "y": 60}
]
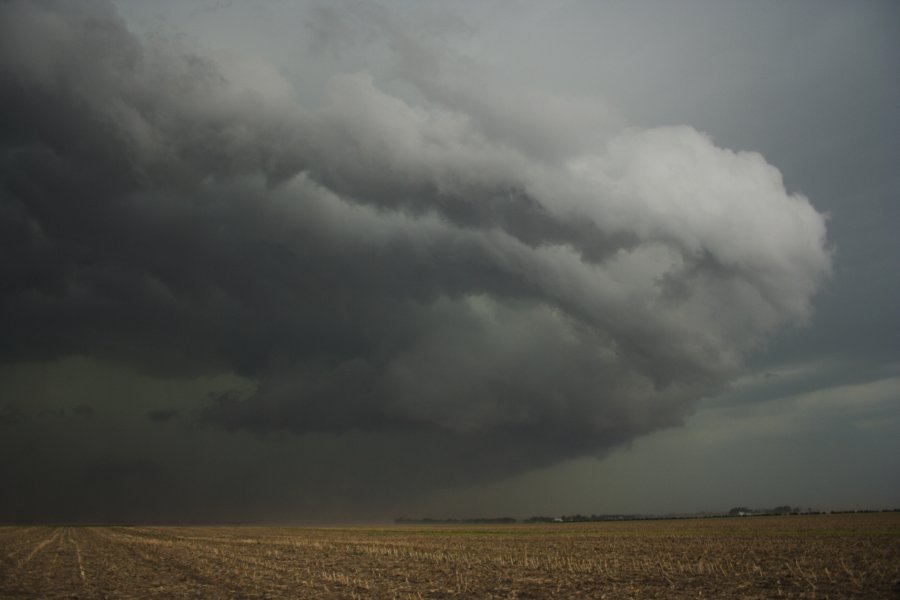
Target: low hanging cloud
[{"x": 378, "y": 264}]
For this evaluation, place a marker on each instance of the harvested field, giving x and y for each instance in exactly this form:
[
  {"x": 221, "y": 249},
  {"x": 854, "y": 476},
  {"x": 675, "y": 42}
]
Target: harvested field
[{"x": 824, "y": 556}]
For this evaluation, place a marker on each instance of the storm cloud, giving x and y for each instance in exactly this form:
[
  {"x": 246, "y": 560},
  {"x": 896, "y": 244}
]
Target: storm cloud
[{"x": 523, "y": 278}]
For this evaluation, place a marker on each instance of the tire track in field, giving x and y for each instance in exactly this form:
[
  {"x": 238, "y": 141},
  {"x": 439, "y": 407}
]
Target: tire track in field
[
  {"x": 70, "y": 536},
  {"x": 300, "y": 565},
  {"x": 174, "y": 567},
  {"x": 303, "y": 566},
  {"x": 257, "y": 566},
  {"x": 21, "y": 547},
  {"x": 11, "y": 544},
  {"x": 18, "y": 543},
  {"x": 55, "y": 553},
  {"x": 47, "y": 570},
  {"x": 10, "y": 537},
  {"x": 54, "y": 535},
  {"x": 130, "y": 570}
]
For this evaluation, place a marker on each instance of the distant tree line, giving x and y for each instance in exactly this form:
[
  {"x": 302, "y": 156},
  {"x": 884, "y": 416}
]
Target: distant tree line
[
  {"x": 743, "y": 511},
  {"x": 475, "y": 521},
  {"x": 738, "y": 511},
  {"x": 578, "y": 518}
]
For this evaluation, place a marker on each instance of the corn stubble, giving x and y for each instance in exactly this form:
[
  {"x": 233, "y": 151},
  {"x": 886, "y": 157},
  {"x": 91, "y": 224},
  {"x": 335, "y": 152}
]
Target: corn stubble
[{"x": 826, "y": 556}]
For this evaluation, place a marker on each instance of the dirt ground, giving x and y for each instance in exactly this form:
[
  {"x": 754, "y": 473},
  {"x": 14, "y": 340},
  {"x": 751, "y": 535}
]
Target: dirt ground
[{"x": 821, "y": 556}]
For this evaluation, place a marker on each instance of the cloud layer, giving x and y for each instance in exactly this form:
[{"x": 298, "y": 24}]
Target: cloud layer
[{"x": 413, "y": 263}]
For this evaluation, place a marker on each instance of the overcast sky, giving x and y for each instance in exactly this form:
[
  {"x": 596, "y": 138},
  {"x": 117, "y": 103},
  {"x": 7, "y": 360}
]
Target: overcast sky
[{"x": 300, "y": 261}]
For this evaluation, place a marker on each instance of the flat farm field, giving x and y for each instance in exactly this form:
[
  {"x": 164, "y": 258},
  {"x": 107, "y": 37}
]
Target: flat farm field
[{"x": 822, "y": 556}]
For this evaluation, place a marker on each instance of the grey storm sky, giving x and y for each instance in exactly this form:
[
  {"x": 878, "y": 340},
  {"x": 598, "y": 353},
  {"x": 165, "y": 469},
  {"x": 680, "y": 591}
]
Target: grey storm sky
[{"x": 297, "y": 261}]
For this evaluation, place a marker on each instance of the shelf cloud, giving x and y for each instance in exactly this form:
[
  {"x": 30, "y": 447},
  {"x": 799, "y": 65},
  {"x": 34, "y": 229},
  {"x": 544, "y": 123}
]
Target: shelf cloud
[{"x": 525, "y": 278}]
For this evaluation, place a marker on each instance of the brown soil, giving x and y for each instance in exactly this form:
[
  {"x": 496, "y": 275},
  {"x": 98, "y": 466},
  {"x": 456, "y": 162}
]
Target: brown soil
[{"x": 826, "y": 556}]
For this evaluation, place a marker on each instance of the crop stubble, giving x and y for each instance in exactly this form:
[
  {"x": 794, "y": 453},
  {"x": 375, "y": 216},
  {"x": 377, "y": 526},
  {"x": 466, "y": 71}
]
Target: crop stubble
[{"x": 825, "y": 556}]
